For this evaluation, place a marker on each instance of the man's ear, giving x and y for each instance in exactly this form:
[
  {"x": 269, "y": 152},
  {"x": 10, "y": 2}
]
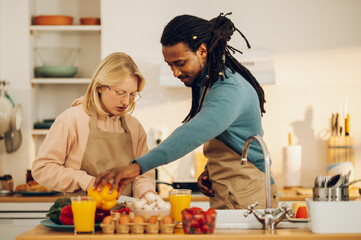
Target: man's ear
[{"x": 202, "y": 51}]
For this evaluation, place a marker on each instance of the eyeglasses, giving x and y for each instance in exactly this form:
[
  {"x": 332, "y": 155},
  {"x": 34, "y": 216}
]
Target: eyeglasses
[{"x": 133, "y": 97}]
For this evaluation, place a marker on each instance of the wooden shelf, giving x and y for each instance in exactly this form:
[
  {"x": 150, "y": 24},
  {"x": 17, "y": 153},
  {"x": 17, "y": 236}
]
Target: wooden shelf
[
  {"x": 76, "y": 28},
  {"x": 39, "y": 132},
  {"x": 60, "y": 80}
]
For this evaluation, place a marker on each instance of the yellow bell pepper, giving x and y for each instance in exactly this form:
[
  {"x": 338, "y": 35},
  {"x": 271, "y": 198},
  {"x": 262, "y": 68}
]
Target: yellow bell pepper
[{"x": 103, "y": 199}]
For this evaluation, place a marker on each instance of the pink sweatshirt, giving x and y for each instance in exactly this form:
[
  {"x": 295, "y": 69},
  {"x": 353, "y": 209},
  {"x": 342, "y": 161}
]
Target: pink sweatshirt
[{"x": 57, "y": 165}]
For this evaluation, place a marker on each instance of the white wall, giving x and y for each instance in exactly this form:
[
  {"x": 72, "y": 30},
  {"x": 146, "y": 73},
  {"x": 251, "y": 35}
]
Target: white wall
[
  {"x": 316, "y": 48},
  {"x": 1, "y": 36},
  {"x": 15, "y": 69}
]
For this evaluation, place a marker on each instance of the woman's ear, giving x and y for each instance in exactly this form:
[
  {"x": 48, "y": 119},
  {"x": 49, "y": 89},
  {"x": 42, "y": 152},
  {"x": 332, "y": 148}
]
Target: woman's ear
[{"x": 100, "y": 89}]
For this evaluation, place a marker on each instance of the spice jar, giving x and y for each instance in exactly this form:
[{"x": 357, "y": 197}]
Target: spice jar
[
  {"x": 8, "y": 183},
  {"x": 29, "y": 177}
]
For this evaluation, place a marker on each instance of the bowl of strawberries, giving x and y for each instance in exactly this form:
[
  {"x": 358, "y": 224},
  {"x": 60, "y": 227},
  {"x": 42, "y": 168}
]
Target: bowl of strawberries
[{"x": 197, "y": 221}]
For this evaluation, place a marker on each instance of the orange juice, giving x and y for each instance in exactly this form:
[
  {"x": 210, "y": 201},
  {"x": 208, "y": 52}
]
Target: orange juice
[
  {"x": 179, "y": 199},
  {"x": 84, "y": 214}
]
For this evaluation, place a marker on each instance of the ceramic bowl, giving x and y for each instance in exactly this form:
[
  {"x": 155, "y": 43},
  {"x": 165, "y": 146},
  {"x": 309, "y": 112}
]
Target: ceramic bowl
[
  {"x": 90, "y": 21},
  {"x": 55, "y": 71},
  {"x": 53, "y": 20}
]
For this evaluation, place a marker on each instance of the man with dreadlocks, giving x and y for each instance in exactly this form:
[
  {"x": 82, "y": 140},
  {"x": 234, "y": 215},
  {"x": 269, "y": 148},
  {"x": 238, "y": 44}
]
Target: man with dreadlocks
[{"x": 227, "y": 105}]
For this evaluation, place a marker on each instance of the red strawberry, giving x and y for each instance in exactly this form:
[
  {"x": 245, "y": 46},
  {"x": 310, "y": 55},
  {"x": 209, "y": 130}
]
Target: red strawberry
[
  {"x": 187, "y": 215},
  {"x": 200, "y": 218},
  {"x": 195, "y": 210},
  {"x": 194, "y": 223},
  {"x": 205, "y": 228}
]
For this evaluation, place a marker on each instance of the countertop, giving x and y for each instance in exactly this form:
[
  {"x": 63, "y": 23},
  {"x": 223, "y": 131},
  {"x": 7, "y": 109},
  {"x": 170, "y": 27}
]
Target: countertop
[
  {"x": 20, "y": 198},
  {"x": 42, "y": 232},
  {"x": 291, "y": 194}
]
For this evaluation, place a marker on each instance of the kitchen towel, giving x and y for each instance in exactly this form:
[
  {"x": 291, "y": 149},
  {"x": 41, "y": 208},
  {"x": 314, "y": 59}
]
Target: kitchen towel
[{"x": 292, "y": 166}]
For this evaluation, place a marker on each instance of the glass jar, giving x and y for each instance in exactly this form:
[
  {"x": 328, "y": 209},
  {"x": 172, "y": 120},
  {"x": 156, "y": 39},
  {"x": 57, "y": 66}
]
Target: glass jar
[
  {"x": 8, "y": 183},
  {"x": 29, "y": 177}
]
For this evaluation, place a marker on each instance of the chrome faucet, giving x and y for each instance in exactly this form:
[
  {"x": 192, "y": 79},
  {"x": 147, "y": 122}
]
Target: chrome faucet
[{"x": 271, "y": 217}]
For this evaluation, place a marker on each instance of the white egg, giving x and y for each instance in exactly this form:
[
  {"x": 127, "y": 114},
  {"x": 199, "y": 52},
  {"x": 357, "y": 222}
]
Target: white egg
[
  {"x": 147, "y": 206},
  {"x": 138, "y": 204},
  {"x": 129, "y": 204},
  {"x": 150, "y": 197},
  {"x": 157, "y": 197},
  {"x": 161, "y": 204}
]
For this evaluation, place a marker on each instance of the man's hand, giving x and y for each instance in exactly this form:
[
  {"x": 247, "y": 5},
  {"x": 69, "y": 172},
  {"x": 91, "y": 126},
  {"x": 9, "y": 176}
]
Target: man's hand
[
  {"x": 205, "y": 185},
  {"x": 119, "y": 177}
]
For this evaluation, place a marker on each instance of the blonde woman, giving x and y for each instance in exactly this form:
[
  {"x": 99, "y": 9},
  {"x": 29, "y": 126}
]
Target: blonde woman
[{"x": 97, "y": 133}]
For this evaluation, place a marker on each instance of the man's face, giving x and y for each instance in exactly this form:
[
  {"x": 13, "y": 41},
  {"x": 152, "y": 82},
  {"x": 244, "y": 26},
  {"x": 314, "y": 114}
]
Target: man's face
[{"x": 185, "y": 64}]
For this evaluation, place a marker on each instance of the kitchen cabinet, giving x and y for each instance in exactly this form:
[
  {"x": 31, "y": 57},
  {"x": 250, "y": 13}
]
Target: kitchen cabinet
[
  {"x": 18, "y": 217},
  {"x": 51, "y": 96}
]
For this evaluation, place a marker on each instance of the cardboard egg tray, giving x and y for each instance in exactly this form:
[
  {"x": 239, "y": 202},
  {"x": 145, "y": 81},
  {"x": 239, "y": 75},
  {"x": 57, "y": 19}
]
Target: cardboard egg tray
[{"x": 136, "y": 228}]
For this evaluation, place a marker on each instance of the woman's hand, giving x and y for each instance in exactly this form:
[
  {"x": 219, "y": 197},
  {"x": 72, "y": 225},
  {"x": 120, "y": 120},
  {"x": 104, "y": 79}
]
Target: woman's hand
[
  {"x": 119, "y": 177},
  {"x": 204, "y": 184}
]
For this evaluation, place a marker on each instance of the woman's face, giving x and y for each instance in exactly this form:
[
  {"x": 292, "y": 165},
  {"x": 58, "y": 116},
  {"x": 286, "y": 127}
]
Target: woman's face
[{"x": 115, "y": 98}]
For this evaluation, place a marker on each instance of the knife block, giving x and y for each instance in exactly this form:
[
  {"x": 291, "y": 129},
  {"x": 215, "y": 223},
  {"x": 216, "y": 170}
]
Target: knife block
[
  {"x": 340, "y": 149},
  {"x": 340, "y": 156}
]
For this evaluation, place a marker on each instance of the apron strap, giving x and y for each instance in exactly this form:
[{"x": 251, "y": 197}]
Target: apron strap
[
  {"x": 93, "y": 122},
  {"x": 124, "y": 124},
  {"x": 204, "y": 93}
]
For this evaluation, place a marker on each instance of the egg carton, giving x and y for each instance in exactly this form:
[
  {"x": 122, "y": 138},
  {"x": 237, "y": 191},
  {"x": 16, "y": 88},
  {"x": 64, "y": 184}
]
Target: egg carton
[{"x": 137, "y": 228}]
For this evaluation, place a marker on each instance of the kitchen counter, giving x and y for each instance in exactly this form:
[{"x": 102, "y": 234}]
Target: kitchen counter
[
  {"x": 42, "y": 232},
  {"x": 21, "y": 198},
  {"x": 291, "y": 194}
]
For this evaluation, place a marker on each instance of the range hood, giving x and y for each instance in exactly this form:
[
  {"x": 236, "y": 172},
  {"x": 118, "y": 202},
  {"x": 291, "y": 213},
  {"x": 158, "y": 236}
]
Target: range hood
[{"x": 259, "y": 62}]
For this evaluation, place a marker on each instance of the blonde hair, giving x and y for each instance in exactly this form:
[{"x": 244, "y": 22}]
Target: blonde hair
[{"x": 112, "y": 70}]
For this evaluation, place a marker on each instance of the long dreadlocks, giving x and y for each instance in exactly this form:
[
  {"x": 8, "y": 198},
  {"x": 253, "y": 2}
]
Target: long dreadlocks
[{"x": 193, "y": 31}]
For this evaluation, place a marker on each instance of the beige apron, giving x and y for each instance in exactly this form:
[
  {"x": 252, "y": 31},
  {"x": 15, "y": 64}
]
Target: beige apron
[
  {"x": 235, "y": 185},
  {"x": 106, "y": 150}
]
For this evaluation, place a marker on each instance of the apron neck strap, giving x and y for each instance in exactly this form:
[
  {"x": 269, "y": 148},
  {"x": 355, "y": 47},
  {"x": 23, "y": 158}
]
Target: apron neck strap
[
  {"x": 93, "y": 124},
  {"x": 124, "y": 124},
  {"x": 204, "y": 93}
]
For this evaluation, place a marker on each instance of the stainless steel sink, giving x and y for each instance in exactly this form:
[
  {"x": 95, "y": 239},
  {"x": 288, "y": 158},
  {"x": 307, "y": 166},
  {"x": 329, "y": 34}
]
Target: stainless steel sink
[{"x": 235, "y": 219}]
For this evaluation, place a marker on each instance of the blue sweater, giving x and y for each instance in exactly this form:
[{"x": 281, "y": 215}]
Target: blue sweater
[{"x": 230, "y": 113}]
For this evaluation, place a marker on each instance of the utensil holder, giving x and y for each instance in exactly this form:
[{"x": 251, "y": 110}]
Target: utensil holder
[
  {"x": 330, "y": 194},
  {"x": 320, "y": 194}
]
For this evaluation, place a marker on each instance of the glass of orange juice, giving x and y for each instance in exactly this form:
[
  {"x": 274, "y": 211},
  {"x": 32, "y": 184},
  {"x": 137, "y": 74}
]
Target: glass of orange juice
[
  {"x": 179, "y": 199},
  {"x": 84, "y": 208}
]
